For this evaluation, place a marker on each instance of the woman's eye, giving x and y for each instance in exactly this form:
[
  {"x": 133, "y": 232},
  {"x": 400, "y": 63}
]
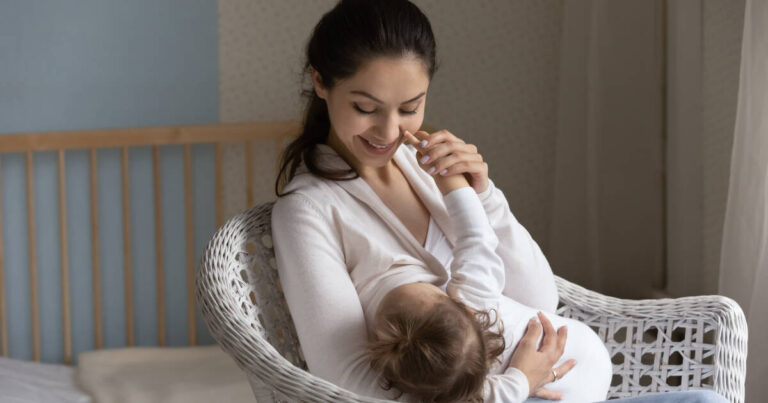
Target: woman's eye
[
  {"x": 362, "y": 111},
  {"x": 413, "y": 112}
]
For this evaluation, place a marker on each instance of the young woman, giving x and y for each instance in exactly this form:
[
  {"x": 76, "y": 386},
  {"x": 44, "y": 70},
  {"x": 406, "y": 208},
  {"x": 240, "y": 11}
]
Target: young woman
[{"x": 358, "y": 212}]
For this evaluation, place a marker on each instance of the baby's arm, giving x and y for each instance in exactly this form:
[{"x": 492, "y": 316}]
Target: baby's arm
[{"x": 477, "y": 272}]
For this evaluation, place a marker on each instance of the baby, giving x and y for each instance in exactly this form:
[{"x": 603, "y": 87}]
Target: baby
[{"x": 440, "y": 346}]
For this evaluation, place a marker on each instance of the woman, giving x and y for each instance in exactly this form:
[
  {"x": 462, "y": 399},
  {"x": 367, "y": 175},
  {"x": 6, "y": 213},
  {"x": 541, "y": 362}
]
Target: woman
[{"x": 358, "y": 213}]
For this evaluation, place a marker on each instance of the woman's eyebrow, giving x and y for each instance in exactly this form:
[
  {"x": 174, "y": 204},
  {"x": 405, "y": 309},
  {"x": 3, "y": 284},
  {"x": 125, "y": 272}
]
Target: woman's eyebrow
[{"x": 363, "y": 93}]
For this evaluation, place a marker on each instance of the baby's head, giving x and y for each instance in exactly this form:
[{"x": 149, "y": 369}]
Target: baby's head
[{"x": 431, "y": 346}]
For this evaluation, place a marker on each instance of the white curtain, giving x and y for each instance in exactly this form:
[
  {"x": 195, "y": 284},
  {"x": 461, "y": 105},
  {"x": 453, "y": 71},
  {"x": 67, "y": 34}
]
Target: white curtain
[
  {"x": 744, "y": 257},
  {"x": 606, "y": 228}
]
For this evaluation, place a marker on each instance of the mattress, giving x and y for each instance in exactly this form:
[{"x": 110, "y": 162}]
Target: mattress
[{"x": 128, "y": 375}]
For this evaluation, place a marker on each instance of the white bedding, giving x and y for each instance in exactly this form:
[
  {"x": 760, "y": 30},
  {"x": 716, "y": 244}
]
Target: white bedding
[
  {"x": 129, "y": 375},
  {"x": 29, "y": 381}
]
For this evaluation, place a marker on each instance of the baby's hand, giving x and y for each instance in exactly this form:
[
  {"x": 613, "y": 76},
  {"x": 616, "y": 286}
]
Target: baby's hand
[{"x": 446, "y": 184}]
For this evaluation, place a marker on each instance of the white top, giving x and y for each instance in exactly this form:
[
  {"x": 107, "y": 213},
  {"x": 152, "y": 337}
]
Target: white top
[{"x": 339, "y": 249}]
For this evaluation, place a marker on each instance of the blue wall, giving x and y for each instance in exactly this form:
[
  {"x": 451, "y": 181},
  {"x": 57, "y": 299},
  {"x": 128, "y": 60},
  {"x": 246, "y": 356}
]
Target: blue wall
[{"x": 89, "y": 64}]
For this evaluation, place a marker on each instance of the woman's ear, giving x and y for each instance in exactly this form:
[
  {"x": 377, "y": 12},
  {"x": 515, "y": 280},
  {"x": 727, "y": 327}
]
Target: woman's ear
[{"x": 317, "y": 82}]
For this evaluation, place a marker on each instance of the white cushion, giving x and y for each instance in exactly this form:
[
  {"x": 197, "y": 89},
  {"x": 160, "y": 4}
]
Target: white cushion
[{"x": 162, "y": 374}]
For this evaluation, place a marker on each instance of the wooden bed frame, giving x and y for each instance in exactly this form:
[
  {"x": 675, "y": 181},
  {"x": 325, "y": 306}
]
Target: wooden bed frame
[{"x": 92, "y": 140}]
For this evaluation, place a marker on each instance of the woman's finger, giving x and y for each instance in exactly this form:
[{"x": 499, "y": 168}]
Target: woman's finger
[
  {"x": 532, "y": 333},
  {"x": 436, "y": 152},
  {"x": 562, "y": 335},
  {"x": 412, "y": 139},
  {"x": 442, "y": 136},
  {"x": 565, "y": 368},
  {"x": 550, "y": 336},
  {"x": 547, "y": 394},
  {"x": 444, "y": 163},
  {"x": 415, "y": 139},
  {"x": 457, "y": 164}
]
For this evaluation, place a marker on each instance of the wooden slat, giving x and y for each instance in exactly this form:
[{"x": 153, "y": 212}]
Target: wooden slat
[
  {"x": 190, "y": 247},
  {"x": 128, "y": 137},
  {"x": 248, "y": 174},
  {"x": 128, "y": 277},
  {"x": 3, "y": 311},
  {"x": 95, "y": 267},
  {"x": 31, "y": 237},
  {"x": 219, "y": 179},
  {"x": 64, "y": 252},
  {"x": 159, "y": 276}
]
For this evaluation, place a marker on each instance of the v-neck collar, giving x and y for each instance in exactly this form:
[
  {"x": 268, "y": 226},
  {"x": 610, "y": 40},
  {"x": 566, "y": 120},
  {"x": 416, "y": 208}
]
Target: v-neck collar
[{"x": 420, "y": 181}]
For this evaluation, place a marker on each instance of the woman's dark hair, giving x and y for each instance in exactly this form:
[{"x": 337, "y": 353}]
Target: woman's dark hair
[{"x": 351, "y": 34}]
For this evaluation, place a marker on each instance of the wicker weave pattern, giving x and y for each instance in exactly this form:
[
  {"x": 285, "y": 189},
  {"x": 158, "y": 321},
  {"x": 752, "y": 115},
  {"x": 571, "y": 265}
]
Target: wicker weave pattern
[
  {"x": 698, "y": 342},
  {"x": 663, "y": 345}
]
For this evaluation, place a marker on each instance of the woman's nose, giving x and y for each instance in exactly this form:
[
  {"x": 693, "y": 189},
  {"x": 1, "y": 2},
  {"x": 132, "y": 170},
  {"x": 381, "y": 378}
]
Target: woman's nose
[{"x": 392, "y": 130}]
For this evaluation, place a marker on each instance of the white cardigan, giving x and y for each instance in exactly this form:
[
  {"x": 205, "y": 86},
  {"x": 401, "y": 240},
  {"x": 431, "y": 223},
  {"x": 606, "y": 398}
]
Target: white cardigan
[{"x": 339, "y": 249}]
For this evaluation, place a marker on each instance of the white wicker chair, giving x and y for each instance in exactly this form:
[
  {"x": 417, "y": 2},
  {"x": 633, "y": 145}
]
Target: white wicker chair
[{"x": 656, "y": 345}]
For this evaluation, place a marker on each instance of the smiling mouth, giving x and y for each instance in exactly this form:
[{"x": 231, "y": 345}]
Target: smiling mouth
[{"x": 378, "y": 146}]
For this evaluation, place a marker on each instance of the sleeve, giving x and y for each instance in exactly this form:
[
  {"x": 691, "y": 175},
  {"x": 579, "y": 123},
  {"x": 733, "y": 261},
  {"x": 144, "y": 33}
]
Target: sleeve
[
  {"x": 528, "y": 276},
  {"x": 477, "y": 272},
  {"x": 510, "y": 387},
  {"x": 321, "y": 297}
]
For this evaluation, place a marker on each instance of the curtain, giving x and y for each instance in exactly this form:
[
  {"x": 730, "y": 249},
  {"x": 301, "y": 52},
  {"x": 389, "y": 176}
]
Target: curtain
[
  {"x": 744, "y": 254},
  {"x": 606, "y": 229}
]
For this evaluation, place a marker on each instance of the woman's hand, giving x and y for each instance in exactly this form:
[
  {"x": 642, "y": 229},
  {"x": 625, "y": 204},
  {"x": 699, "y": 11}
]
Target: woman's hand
[
  {"x": 537, "y": 364},
  {"x": 446, "y": 183},
  {"x": 449, "y": 155}
]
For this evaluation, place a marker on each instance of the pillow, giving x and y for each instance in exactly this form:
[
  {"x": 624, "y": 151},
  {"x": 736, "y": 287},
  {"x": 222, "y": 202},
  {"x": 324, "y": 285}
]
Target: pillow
[
  {"x": 34, "y": 382},
  {"x": 162, "y": 374}
]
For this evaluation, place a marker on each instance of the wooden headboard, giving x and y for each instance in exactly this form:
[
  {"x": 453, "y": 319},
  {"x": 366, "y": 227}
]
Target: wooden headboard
[{"x": 56, "y": 146}]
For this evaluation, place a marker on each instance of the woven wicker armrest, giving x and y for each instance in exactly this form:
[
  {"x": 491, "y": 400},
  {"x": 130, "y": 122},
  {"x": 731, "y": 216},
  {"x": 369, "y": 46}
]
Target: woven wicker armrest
[{"x": 665, "y": 344}]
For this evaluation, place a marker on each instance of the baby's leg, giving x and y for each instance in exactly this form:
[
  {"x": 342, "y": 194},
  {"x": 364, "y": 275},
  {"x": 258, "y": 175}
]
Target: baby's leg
[{"x": 590, "y": 379}]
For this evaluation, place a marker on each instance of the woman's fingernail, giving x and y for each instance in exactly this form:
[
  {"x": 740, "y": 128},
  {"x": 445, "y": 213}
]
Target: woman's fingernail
[
  {"x": 431, "y": 170},
  {"x": 424, "y": 159},
  {"x": 423, "y": 143},
  {"x": 443, "y": 172}
]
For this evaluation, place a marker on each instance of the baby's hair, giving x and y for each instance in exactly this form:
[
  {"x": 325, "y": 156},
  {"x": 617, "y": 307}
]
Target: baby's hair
[{"x": 440, "y": 355}]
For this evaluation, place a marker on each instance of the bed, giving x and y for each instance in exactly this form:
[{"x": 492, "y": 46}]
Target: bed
[{"x": 100, "y": 235}]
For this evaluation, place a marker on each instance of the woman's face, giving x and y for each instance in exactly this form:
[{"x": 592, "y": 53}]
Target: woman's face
[{"x": 370, "y": 111}]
